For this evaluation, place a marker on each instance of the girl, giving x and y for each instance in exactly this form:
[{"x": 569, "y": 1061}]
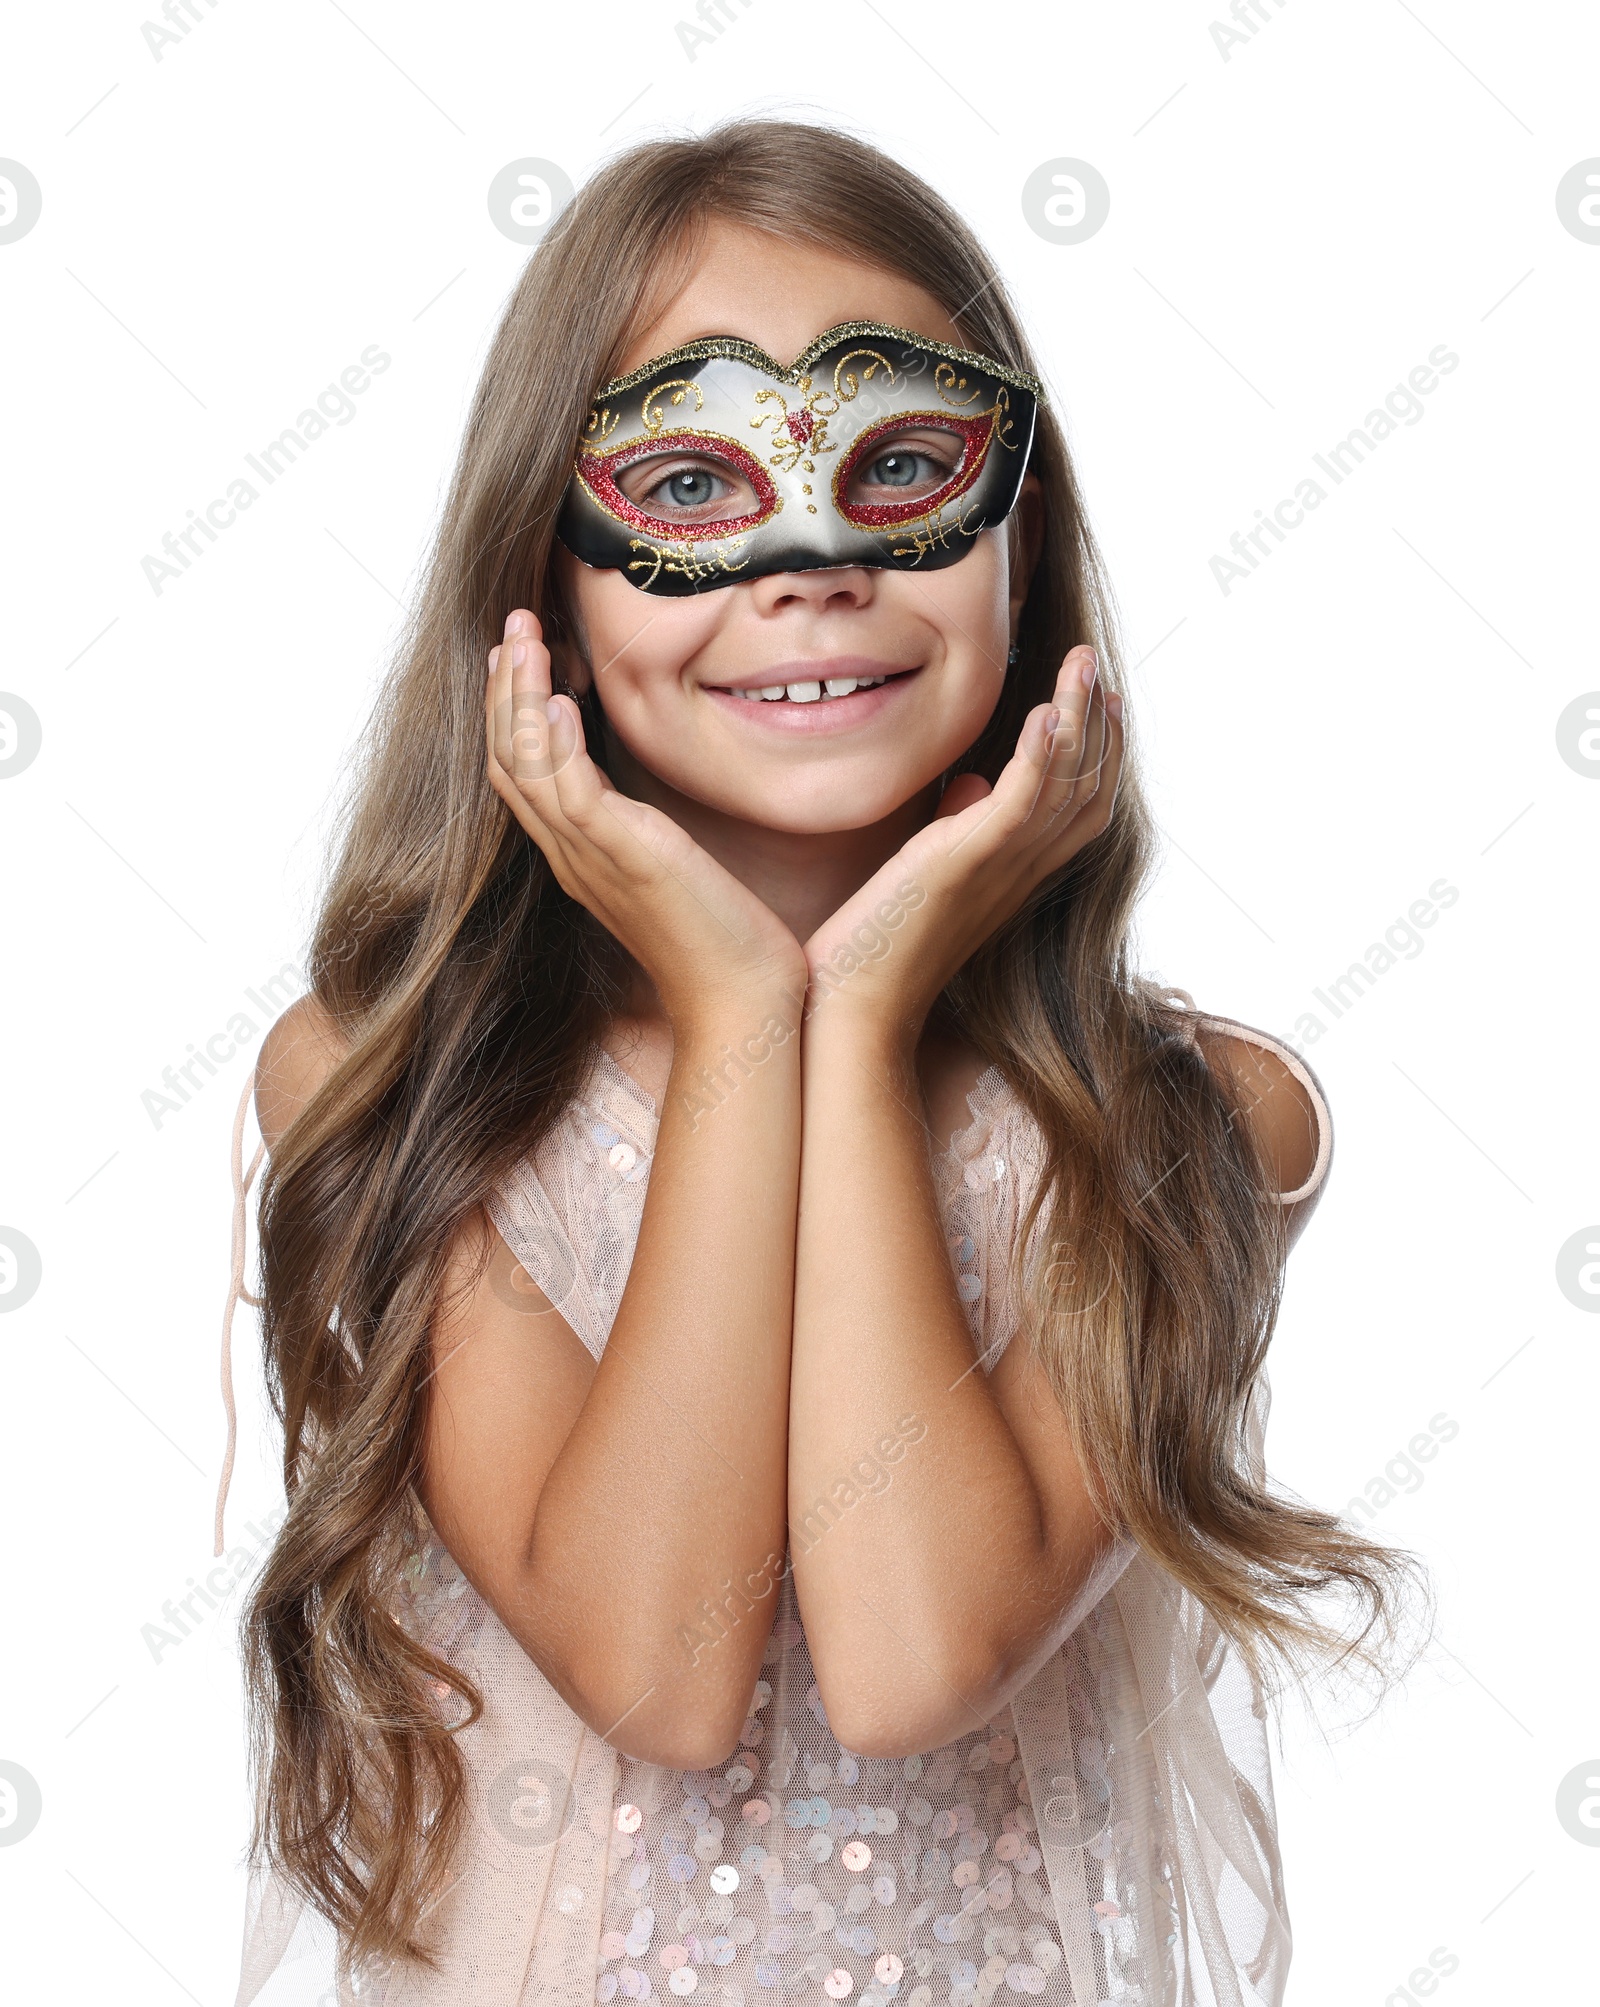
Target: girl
[{"x": 767, "y": 1306}]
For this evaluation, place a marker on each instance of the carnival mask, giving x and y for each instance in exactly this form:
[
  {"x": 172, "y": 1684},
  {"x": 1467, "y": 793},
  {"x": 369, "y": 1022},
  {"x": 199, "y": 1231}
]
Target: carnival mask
[{"x": 713, "y": 463}]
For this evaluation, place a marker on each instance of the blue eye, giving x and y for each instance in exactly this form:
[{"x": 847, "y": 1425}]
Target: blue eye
[
  {"x": 907, "y": 464},
  {"x": 690, "y": 487},
  {"x": 899, "y": 470}
]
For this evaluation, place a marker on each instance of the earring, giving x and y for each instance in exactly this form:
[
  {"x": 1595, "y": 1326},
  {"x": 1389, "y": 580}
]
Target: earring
[{"x": 1013, "y": 655}]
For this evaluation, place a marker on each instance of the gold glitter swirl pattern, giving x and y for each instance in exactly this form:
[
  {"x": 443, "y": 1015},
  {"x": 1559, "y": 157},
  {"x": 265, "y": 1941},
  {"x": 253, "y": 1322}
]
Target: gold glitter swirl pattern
[
  {"x": 654, "y": 412},
  {"x": 736, "y": 348}
]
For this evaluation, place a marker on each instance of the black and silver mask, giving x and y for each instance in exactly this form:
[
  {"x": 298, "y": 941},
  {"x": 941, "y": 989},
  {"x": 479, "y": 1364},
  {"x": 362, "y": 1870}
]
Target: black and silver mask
[{"x": 713, "y": 464}]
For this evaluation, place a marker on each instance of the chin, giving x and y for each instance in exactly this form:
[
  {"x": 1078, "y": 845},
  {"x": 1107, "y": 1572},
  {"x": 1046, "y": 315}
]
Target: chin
[{"x": 829, "y": 805}]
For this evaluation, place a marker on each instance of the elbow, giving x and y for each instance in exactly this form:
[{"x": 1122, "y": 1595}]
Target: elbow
[
  {"x": 668, "y": 1730},
  {"x": 652, "y": 1719},
  {"x": 895, "y": 1717},
  {"x": 676, "y": 1745}
]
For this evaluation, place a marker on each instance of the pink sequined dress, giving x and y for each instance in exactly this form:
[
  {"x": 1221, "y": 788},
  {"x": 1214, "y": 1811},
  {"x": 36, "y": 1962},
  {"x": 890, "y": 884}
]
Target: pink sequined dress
[{"x": 1108, "y": 1838}]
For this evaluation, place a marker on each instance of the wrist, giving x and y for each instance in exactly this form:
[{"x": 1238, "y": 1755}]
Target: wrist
[
  {"x": 875, "y": 1031},
  {"x": 753, "y": 1021}
]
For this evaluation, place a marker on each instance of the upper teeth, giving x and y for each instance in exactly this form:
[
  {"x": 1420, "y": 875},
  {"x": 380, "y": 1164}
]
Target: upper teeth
[{"x": 809, "y": 693}]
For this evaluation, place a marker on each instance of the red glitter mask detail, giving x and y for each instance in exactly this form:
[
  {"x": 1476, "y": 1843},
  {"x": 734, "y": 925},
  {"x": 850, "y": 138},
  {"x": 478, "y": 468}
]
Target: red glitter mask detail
[
  {"x": 976, "y": 434},
  {"x": 598, "y": 473}
]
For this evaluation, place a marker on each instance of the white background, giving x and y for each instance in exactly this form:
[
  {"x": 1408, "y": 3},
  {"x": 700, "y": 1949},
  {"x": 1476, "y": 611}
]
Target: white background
[{"x": 1292, "y": 230}]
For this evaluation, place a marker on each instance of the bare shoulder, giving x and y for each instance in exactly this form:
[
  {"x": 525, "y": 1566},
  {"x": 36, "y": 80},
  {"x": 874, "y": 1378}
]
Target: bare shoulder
[
  {"x": 297, "y": 1055},
  {"x": 1282, "y": 1099}
]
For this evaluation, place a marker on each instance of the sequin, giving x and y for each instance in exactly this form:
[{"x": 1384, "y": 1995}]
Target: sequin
[
  {"x": 684, "y": 1980},
  {"x": 821, "y": 1872},
  {"x": 838, "y": 1985},
  {"x": 629, "y": 1819}
]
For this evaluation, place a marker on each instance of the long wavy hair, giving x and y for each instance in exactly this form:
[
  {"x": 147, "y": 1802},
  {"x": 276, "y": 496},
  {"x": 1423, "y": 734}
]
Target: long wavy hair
[{"x": 471, "y": 991}]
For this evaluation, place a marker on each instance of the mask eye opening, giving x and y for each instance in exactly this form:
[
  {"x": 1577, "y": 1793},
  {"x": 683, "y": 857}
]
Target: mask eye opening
[
  {"x": 976, "y": 435},
  {"x": 597, "y": 473}
]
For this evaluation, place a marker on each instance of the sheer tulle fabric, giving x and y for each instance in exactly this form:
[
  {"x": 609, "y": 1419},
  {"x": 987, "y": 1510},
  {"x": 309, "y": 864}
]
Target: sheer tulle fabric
[{"x": 1109, "y": 1838}]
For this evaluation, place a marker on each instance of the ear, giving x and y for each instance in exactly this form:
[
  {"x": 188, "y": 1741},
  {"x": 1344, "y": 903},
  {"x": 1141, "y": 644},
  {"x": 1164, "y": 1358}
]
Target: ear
[{"x": 1026, "y": 523}]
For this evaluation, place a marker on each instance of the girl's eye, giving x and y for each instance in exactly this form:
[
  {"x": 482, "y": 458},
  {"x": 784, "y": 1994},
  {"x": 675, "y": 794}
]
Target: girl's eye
[
  {"x": 690, "y": 487},
  {"x": 695, "y": 489},
  {"x": 902, "y": 469},
  {"x": 908, "y": 464}
]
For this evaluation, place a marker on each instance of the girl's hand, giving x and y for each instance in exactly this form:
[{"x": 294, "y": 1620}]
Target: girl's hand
[
  {"x": 701, "y": 937},
  {"x": 890, "y": 950}
]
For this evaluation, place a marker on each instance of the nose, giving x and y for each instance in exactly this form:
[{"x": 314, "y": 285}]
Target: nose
[{"x": 836, "y": 589}]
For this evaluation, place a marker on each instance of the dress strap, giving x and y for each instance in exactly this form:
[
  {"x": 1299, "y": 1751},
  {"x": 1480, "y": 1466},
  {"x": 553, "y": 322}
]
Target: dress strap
[
  {"x": 1307, "y": 1079},
  {"x": 242, "y": 1181}
]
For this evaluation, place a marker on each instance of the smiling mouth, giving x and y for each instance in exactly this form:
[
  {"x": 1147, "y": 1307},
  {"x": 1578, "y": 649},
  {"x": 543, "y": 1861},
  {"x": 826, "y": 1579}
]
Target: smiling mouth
[
  {"x": 809, "y": 693},
  {"x": 815, "y": 689}
]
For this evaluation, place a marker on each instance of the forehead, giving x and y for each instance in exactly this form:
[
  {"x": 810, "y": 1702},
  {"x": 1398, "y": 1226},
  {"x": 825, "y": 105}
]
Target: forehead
[{"x": 779, "y": 295}]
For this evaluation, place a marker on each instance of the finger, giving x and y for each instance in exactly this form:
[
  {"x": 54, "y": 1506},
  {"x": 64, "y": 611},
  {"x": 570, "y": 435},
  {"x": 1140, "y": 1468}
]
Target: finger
[
  {"x": 1072, "y": 750},
  {"x": 1096, "y": 794},
  {"x": 522, "y": 632},
  {"x": 1005, "y": 809},
  {"x": 574, "y": 776}
]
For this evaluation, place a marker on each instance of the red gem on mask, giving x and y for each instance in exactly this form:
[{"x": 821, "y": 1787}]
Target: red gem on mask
[{"x": 801, "y": 426}]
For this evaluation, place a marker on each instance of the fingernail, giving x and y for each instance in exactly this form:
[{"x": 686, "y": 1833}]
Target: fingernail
[
  {"x": 1051, "y": 720},
  {"x": 1091, "y": 669},
  {"x": 494, "y": 657},
  {"x": 514, "y": 623},
  {"x": 519, "y": 654},
  {"x": 1114, "y": 706},
  {"x": 552, "y": 710}
]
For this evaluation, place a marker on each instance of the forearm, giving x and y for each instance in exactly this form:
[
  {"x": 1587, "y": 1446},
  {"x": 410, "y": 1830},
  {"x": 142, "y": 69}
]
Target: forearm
[
  {"x": 918, "y": 1603},
  {"x": 659, "y": 1533}
]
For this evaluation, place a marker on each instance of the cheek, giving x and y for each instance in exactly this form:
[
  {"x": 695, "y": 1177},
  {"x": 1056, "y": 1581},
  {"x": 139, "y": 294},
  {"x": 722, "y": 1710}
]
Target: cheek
[
  {"x": 634, "y": 640},
  {"x": 969, "y": 602}
]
